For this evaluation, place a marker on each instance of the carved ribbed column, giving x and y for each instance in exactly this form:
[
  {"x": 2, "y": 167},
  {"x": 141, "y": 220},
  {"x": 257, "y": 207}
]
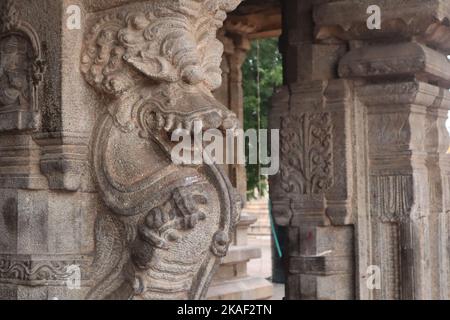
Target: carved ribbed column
[
  {"x": 400, "y": 197},
  {"x": 88, "y": 190},
  {"x": 381, "y": 171},
  {"x": 401, "y": 76}
]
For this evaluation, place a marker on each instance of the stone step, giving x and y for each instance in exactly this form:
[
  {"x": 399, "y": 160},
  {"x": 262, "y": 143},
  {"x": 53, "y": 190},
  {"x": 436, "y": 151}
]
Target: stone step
[
  {"x": 260, "y": 209},
  {"x": 260, "y": 231},
  {"x": 256, "y": 207},
  {"x": 237, "y": 254},
  {"x": 246, "y": 219},
  {"x": 248, "y": 288},
  {"x": 257, "y": 204},
  {"x": 257, "y": 212},
  {"x": 262, "y": 217},
  {"x": 262, "y": 224}
]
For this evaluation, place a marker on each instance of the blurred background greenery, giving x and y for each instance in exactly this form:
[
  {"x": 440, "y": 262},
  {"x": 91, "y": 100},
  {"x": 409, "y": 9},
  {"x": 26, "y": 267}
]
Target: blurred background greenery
[{"x": 262, "y": 73}]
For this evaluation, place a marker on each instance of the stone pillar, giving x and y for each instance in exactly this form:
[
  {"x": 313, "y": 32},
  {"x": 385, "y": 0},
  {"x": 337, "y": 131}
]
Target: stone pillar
[
  {"x": 88, "y": 190},
  {"x": 232, "y": 282},
  {"x": 401, "y": 77},
  {"x": 231, "y": 94},
  {"x": 312, "y": 194},
  {"x": 382, "y": 191},
  {"x": 406, "y": 109},
  {"x": 47, "y": 206}
]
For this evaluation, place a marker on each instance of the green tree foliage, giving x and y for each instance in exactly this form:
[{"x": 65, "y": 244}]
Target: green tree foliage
[{"x": 262, "y": 73}]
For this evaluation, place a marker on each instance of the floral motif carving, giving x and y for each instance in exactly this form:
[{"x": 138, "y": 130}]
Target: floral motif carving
[
  {"x": 28, "y": 270},
  {"x": 306, "y": 153}
]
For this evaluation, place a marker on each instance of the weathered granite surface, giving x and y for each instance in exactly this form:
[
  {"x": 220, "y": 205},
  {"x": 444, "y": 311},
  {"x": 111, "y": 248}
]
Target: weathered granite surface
[{"x": 86, "y": 177}]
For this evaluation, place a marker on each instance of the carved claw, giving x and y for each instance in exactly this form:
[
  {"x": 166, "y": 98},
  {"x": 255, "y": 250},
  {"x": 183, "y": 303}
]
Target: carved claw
[
  {"x": 163, "y": 224},
  {"x": 153, "y": 238}
]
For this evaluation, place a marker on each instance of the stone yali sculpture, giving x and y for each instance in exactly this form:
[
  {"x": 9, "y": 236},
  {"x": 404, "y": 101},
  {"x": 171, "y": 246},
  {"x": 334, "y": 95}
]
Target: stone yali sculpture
[{"x": 155, "y": 65}]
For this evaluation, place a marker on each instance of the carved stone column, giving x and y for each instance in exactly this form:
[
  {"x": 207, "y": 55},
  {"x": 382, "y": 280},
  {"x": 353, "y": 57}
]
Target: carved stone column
[
  {"x": 401, "y": 74},
  {"x": 232, "y": 280},
  {"x": 381, "y": 173},
  {"x": 86, "y": 178},
  {"x": 231, "y": 94},
  {"x": 313, "y": 193}
]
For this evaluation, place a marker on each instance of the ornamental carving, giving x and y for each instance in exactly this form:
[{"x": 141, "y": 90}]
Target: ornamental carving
[
  {"x": 21, "y": 70},
  {"x": 43, "y": 270},
  {"x": 306, "y": 153},
  {"x": 155, "y": 67},
  {"x": 392, "y": 197}
]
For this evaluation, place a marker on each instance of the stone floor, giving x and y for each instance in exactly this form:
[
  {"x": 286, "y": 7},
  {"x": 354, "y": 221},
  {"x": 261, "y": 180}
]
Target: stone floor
[{"x": 263, "y": 267}]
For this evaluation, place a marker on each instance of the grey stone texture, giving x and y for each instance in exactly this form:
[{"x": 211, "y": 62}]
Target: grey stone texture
[{"x": 86, "y": 178}]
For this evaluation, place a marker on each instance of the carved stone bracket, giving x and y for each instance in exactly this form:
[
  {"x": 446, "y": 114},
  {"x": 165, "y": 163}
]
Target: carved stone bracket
[
  {"x": 64, "y": 159},
  {"x": 347, "y": 20},
  {"x": 408, "y": 59}
]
